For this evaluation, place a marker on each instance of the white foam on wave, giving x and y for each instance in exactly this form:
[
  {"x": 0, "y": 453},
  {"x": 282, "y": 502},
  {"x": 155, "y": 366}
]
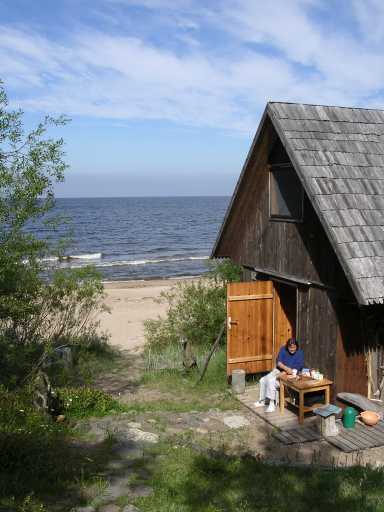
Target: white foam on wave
[
  {"x": 91, "y": 256},
  {"x": 122, "y": 263}
]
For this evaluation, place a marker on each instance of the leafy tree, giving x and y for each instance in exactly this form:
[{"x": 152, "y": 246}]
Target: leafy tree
[
  {"x": 30, "y": 164},
  {"x": 30, "y": 307}
]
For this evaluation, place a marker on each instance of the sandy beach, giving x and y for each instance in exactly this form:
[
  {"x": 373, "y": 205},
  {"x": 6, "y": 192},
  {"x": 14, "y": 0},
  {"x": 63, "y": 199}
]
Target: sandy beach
[{"x": 130, "y": 303}]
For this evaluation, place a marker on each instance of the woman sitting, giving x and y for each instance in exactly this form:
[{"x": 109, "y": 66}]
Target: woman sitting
[{"x": 290, "y": 358}]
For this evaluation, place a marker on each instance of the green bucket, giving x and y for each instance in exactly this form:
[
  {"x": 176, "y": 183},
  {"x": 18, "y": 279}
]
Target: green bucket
[{"x": 349, "y": 417}]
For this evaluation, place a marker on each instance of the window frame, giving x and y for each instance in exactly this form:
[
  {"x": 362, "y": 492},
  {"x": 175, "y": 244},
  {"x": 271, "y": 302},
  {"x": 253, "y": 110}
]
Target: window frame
[{"x": 282, "y": 218}]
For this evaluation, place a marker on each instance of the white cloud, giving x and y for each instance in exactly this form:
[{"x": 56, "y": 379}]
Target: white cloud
[{"x": 195, "y": 80}]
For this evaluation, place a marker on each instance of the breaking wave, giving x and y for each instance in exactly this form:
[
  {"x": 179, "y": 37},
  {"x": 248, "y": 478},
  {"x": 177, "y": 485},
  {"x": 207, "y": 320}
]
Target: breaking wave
[
  {"x": 92, "y": 256},
  {"x": 122, "y": 263}
]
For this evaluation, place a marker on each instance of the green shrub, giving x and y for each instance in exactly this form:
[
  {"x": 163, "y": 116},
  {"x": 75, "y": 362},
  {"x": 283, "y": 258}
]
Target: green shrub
[
  {"x": 196, "y": 309},
  {"x": 84, "y": 401}
]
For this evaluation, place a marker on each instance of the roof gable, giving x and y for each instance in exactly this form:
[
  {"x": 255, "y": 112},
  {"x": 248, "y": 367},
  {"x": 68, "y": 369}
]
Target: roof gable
[{"x": 338, "y": 154}]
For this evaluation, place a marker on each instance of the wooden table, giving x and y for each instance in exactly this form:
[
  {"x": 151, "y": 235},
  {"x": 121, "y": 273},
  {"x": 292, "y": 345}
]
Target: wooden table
[{"x": 302, "y": 386}]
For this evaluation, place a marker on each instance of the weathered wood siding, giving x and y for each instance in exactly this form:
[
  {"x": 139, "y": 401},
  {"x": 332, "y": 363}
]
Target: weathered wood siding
[{"x": 252, "y": 239}]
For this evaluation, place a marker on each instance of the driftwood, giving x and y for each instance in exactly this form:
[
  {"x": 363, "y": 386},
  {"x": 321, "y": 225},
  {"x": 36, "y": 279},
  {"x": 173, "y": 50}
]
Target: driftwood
[
  {"x": 189, "y": 359},
  {"x": 211, "y": 352},
  {"x": 45, "y": 398}
]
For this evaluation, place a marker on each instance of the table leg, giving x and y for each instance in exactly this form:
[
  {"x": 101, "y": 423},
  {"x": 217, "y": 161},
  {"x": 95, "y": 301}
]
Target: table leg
[
  {"x": 301, "y": 407},
  {"x": 327, "y": 393},
  {"x": 281, "y": 398}
]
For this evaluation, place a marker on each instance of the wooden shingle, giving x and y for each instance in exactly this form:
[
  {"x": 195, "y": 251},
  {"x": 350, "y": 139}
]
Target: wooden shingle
[{"x": 339, "y": 155}]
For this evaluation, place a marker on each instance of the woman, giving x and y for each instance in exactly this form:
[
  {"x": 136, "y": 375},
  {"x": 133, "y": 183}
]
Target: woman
[{"x": 290, "y": 357}]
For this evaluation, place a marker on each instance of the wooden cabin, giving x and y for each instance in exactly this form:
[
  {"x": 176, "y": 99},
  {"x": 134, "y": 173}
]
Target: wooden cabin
[{"x": 306, "y": 222}]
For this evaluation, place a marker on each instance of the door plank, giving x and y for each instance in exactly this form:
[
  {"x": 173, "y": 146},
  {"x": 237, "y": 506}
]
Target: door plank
[{"x": 250, "y": 333}]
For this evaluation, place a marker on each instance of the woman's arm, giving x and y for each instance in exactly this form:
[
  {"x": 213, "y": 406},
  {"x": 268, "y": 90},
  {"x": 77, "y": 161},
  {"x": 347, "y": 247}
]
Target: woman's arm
[{"x": 285, "y": 368}]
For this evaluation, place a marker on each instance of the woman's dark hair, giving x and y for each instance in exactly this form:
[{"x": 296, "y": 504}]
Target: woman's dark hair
[{"x": 292, "y": 341}]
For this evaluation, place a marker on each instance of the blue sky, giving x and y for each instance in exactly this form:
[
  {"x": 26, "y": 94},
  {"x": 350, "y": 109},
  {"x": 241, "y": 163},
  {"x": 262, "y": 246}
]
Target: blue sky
[{"x": 165, "y": 95}]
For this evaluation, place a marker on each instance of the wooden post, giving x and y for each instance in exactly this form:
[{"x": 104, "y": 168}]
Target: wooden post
[{"x": 214, "y": 347}]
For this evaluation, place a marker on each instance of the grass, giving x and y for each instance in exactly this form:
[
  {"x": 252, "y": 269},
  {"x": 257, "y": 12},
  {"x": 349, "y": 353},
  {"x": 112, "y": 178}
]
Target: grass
[
  {"x": 212, "y": 392},
  {"x": 47, "y": 466},
  {"x": 186, "y": 481}
]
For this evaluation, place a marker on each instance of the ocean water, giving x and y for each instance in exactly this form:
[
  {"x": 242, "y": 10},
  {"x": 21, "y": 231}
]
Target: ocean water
[{"x": 139, "y": 238}]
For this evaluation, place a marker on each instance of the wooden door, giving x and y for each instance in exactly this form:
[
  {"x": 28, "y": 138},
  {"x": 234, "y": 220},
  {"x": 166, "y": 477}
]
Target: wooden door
[{"x": 250, "y": 326}]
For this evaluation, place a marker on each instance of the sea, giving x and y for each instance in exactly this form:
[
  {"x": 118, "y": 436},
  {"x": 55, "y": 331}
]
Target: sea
[{"x": 137, "y": 237}]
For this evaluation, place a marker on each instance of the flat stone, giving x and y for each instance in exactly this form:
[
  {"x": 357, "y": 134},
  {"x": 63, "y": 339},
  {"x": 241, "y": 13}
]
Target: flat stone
[
  {"x": 128, "y": 450},
  {"x": 151, "y": 420},
  {"x": 139, "y": 435},
  {"x": 84, "y": 509},
  {"x": 235, "y": 421},
  {"x": 130, "y": 508},
  {"x": 116, "y": 464},
  {"x": 141, "y": 491},
  {"x": 109, "y": 508},
  {"x": 134, "y": 424},
  {"x": 118, "y": 486},
  {"x": 200, "y": 430}
]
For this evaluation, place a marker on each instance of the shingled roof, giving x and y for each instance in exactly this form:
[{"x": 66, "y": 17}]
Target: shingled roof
[{"x": 338, "y": 154}]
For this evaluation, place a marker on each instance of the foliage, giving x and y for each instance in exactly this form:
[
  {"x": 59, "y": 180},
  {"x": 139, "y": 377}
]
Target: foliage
[
  {"x": 224, "y": 271},
  {"x": 30, "y": 164},
  {"x": 196, "y": 309},
  {"x": 86, "y": 401},
  {"x": 39, "y": 458},
  {"x": 33, "y": 311},
  {"x": 91, "y": 356}
]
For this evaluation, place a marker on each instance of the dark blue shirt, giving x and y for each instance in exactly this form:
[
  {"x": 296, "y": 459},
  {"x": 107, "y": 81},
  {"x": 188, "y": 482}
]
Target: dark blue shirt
[{"x": 295, "y": 360}]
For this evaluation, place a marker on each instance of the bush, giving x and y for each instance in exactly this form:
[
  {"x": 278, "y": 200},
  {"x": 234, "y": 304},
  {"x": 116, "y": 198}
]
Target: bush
[
  {"x": 83, "y": 402},
  {"x": 196, "y": 309}
]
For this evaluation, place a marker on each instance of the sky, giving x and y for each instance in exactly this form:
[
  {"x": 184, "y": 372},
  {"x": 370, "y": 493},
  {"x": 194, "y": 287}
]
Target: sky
[{"x": 165, "y": 96}]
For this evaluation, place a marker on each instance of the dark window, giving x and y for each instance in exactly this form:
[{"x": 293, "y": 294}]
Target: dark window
[{"x": 285, "y": 194}]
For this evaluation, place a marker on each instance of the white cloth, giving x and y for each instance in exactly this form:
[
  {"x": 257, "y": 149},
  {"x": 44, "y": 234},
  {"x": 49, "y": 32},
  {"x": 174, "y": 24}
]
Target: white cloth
[{"x": 269, "y": 385}]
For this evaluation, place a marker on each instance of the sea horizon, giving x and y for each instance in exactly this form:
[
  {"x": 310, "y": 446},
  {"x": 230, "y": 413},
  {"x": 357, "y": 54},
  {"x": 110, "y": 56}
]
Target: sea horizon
[{"x": 142, "y": 196}]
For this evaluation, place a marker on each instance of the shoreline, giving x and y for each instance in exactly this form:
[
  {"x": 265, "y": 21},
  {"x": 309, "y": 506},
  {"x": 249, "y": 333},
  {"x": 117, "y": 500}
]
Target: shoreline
[{"x": 146, "y": 282}]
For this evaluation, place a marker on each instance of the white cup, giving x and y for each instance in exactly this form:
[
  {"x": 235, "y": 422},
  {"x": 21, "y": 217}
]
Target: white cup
[{"x": 294, "y": 372}]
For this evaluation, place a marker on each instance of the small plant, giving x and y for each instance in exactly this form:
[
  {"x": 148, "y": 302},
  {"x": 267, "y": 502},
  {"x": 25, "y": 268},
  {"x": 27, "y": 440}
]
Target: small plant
[
  {"x": 196, "y": 310},
  {"x": 86, "y": 401},
  {"x": 31, "y": 505}
]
